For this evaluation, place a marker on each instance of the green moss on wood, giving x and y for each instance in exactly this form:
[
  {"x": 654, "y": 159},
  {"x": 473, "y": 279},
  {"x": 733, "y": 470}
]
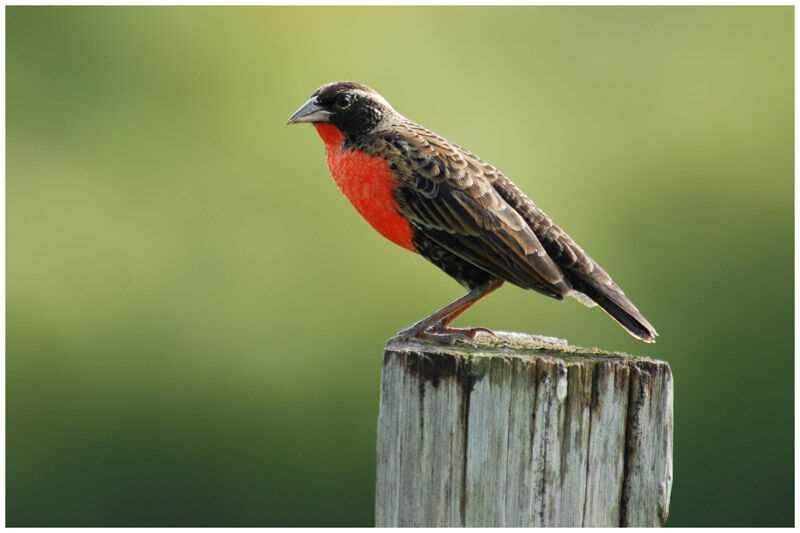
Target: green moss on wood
[{"x": 486, "y": 350}]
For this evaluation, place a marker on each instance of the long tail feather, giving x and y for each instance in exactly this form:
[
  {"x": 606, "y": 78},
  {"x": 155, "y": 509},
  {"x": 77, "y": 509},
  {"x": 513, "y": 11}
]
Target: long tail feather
[{"x": 614, "y": 302}]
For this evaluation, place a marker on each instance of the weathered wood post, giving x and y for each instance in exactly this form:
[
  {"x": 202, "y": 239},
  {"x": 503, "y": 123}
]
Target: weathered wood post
[{"x": 524, "y": 431}]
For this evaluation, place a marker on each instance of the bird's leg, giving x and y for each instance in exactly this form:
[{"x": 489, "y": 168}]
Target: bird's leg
[
  {"x": 436, "y": 328},
  {"x": 443, "y": 325}
]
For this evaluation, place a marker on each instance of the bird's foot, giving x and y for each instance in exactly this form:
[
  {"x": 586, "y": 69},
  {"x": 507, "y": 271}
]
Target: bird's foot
[
  {"x": 470, "y": 333},
  {"x": 440, "y": 334}
]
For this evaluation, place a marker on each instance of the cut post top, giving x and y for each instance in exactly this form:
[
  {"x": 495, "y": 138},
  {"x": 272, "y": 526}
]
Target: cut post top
[{"x": 514, "y": 345}]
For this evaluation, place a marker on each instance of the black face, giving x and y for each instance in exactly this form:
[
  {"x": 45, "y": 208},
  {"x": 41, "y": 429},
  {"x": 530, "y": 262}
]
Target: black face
[{"x": 352, "y": 108}]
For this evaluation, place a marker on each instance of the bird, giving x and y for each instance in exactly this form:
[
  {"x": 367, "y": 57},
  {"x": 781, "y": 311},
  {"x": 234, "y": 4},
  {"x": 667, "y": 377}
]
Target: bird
[{"x": 435, "y": 198}]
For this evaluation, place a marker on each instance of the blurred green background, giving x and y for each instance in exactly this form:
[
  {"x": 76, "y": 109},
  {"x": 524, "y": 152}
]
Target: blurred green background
[{"x": 195, "y": 314}]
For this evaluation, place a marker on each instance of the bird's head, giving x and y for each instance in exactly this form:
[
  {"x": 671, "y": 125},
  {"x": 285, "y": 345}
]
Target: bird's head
[{"x": 353, "y": 108}]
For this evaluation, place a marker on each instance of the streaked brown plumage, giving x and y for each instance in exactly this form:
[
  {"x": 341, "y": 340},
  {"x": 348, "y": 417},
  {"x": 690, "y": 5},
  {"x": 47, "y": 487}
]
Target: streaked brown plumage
[{"x": 459, "y": 212}]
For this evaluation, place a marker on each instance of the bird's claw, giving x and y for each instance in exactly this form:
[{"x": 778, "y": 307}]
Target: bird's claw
[
  {"x": 439, "y": 334},
  {"x": 469, "y": 332}
]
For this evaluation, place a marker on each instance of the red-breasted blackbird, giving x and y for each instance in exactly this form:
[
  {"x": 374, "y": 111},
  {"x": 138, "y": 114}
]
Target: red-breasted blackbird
[{"x": 434, "y": 198}]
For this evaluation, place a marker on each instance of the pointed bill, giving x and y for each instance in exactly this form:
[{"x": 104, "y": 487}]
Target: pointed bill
[{"x": 310, "y": 112}]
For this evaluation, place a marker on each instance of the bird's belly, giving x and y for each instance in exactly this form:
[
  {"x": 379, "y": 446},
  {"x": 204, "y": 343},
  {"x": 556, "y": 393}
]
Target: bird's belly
[{"x": 369, "y": 184}]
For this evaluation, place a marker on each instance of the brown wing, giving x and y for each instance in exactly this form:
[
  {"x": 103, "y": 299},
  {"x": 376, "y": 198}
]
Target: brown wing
[
  {"x": 448, "y": 194},
  {"x": 469, "y": 207}
]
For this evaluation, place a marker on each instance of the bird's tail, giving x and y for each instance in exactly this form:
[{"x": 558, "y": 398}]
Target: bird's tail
[{"x": 613, "y": 301}]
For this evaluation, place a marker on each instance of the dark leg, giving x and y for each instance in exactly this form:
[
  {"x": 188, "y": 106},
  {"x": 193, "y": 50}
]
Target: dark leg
[
  {"x": 443, "y": 325},
  {"x": 435, "y": 327}
]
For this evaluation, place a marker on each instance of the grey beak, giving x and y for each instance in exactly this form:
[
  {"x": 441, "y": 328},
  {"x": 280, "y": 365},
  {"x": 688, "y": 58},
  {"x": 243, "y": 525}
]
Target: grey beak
[{"x": 310, "y": 112}]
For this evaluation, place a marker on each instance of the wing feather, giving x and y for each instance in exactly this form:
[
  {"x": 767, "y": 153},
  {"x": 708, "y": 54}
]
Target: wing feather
[
  {"x": 448, "y": 195},
  {"x": 470, "y": 208}
]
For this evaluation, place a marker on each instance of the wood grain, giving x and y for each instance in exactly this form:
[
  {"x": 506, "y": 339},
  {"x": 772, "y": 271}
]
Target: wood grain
[{"x": 522, "y": 431}]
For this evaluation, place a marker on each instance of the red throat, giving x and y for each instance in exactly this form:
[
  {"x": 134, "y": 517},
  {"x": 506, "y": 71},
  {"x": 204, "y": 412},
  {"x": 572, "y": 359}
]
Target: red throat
[{"x": 368, "y": 183}]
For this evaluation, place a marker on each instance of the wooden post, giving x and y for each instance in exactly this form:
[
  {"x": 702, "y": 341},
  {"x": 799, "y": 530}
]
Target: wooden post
[{"x": 524, "y": 431}]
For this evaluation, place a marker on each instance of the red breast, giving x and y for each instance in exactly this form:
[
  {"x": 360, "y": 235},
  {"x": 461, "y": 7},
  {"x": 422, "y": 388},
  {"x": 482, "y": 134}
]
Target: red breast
[{"x": 368, "y": 183}]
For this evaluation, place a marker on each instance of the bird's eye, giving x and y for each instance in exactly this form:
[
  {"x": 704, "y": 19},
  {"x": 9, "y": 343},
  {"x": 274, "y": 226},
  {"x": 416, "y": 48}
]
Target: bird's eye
[{"x": 343, "y": 101}]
